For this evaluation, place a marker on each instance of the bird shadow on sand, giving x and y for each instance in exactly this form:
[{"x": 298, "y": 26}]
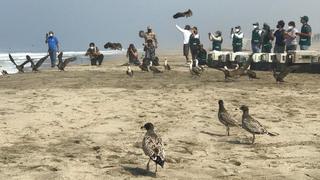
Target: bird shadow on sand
[
  {"x": 136, "y": 171},
  {"x": 212, "y": 134}
]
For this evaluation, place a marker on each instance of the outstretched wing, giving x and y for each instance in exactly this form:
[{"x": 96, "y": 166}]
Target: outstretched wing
[
  {"x": 68, "y": 60},
  {"x": 40, "y": 62},
  {"x": 178, "y": 15},
  {"x": 60, "y": 56},
  {"x": 288, "y": 70},
  {"x": 12, "y": 60}
]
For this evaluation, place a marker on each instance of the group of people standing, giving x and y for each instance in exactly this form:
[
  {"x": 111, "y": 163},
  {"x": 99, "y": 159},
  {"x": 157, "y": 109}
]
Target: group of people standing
[{"x": 261, "y": 39}]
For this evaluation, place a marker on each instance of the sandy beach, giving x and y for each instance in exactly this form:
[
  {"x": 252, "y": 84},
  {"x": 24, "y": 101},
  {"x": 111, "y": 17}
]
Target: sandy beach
[{"x": 84, "y": 123}]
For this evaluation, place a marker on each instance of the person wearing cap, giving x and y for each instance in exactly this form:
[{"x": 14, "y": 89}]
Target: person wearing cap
[
  {"x": 53, "y": 47},
  {"x": 305, "y": 34},
  {"x": 94, "y": 54},
  {"x": 150, "y": 35},
  {"x": 186, "y": 36},
  {"x": 291, "y": 37},
  {"x": 194, "y": 42},
  {"x": 217, "y": 40},
  {"x": 256, "y": 38},
  {"x": 279, "y": 34},
  {"x": 237, "y": 38},
  {"x": 267, "y": 38}
]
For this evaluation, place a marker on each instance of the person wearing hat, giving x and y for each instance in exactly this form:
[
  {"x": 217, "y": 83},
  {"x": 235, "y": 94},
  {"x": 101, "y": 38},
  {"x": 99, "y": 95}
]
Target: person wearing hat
[
  {"x": 267, "y": 38},
  {"x": 279, "y": 34},
  {"x": 305, "y": 34},
  {"x": 217, "y": 40},
  {"x": 256, "y": 38},
  {"x": 53, "y": 47},
  {"x": 186, "y": 36},
  {"x": 150, "y": 35},
  {"x": 291, "y": 37},
  {"x": 94, "y": 54},
  {"x": 237, "y": 38}
]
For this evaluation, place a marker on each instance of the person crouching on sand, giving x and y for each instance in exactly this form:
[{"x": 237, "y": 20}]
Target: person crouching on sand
[
  {"x": 94, "y": 54},
  {"x": 132, "y": 54}
]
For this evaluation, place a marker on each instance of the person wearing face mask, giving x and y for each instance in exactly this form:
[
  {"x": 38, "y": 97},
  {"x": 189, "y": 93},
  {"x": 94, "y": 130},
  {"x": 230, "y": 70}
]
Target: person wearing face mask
[
  {"x": 256, "y": 38},
  {"x": 267, "y": 38},
  {"x": 194, "y": 43},
  {"x": 305, "y": 34},
  {"x": 237, "y": 38},
  {"x": 53, "y": 47},
  {"x": 94, "y": 54},
  {"x": 280, "y": 44},
  {"x": 291, "y": 37},
  {"x": 217, "y": 40}
]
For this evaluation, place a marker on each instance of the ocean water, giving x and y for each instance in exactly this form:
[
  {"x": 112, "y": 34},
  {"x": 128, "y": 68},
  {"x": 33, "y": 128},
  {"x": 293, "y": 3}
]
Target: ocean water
[{"x": 20, "y": 57}]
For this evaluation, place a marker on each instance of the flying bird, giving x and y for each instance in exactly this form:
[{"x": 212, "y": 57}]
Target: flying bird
[
  {"x": 225, "y": 118},
  {"x": 38, "y": 64},
  {"x": 186, "y": 14},
  {"x": 152, "y": 146},
  {"x": 19, "y": 67},
  {"x": 253, "y": 126},
  {"x": 166, "y": 65},
  {"x": 62, "y": 64},
  {"x": 129, "y": 71}
]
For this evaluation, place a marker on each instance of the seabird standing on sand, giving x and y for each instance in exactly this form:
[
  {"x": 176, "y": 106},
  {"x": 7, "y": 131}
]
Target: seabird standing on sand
[
  {"x": 152, "y": 146},
  {"x": 252, "y": 125},
  {"x": 129, "y": 71},
  {"x": 62, "y": 64},
  {"x": 195, "y": 70},
  {"x": 38, "y": 64},
  {"x": 225, "y": 118},
  {"x": 166, "y": 65},
  {"x": 19, "y": 67},
  {"x": 154, "y": 69}
]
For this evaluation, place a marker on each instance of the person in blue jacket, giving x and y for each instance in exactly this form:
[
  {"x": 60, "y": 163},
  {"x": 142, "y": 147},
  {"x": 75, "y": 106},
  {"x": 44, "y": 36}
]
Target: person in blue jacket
[{"x": 53, "y": 47}]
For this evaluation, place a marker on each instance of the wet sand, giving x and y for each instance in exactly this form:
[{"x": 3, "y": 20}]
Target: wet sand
[{"x": 84, "y": 123}]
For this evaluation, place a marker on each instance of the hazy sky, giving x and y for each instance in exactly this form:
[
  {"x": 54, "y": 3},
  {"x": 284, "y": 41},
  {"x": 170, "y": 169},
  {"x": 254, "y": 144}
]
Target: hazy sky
[{"x": 78, "y": 22}]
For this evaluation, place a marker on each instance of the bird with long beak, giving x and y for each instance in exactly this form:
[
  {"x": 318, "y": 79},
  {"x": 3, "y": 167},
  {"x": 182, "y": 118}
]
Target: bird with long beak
[
  {"x": 129, "y": 71},
  {"x": 154, "y": 69}
]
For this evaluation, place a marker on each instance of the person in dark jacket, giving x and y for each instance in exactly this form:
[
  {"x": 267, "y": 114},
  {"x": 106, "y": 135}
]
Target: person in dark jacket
[
  {"x": 305, "y": 34},
  {"x": 194, "y": 43},
  {"x": 280, "y": 44},
  {"x": 94, "y": 54},
  {"x": 202, "y": 55},
  {"x": 237, "y": 39},
  {"x": 256, "y": 38},
  {"x": 267, "y": 38}
]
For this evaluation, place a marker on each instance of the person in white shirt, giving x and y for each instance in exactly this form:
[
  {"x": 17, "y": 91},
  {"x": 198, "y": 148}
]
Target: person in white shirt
[
  {"x": 291, "y": 37},
  {"x": 186, "y": 36}
]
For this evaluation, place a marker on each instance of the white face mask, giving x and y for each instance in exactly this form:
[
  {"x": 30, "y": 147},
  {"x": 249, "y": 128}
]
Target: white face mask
[
  {"x": 50, "y": 35},
  {"x": 91, "y": 47},
  {"x": 255, "y": 27},
  {"x": 290, "y": 27},
  {"x": 237, "y": 30}
]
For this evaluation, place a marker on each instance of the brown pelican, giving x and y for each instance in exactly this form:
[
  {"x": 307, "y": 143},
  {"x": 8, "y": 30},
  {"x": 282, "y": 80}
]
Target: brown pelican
[
  {"x": 187, "y": 13},
  {"x": 195, "y": 70},
  {"x": 19, "y": 67},
  {"x": 154, "y": 69},
  {"x": 38, "y": 64},
  {"x": 152, "y": 146},
  {"x": 62, "y": 64}
]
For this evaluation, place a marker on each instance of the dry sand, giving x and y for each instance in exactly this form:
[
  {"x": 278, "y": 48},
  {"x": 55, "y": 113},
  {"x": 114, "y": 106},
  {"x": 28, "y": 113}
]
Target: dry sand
[{"x": 85, "y": 124}]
